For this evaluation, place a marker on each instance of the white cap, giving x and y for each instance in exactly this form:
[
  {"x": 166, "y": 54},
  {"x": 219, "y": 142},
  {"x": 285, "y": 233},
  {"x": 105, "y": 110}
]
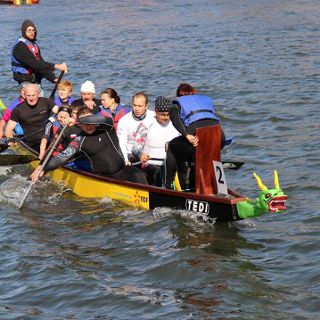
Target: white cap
[{"x": 88, "y": 86}]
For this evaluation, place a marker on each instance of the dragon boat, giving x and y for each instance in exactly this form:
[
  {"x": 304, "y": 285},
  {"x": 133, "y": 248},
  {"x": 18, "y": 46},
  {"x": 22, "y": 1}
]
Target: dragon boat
[{"x": 211, "y": 196}]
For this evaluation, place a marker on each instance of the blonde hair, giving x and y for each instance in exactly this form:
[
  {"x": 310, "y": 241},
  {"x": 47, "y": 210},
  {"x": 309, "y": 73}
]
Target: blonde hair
[{"x": 65, "y": 85}]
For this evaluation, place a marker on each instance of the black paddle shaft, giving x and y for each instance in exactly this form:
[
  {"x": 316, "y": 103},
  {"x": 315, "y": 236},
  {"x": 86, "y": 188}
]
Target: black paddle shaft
[{"x": 56, "y": 86}]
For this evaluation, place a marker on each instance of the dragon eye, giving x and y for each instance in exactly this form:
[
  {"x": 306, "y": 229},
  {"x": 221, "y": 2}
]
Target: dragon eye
[{"x": 268, "y": 195}]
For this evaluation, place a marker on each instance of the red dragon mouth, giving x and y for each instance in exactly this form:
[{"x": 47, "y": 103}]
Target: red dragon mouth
[{"x": 277, "y": 204}]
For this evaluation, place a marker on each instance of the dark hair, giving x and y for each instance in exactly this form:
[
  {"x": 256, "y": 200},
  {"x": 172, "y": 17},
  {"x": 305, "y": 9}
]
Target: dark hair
[
  {"x": 112, "y": 94},
  {"x": 84, "y": 110},
  {"x": 185, "y": 89},
  {"x": 141, "y": 94},
  {"x": 64, "y": 107}
]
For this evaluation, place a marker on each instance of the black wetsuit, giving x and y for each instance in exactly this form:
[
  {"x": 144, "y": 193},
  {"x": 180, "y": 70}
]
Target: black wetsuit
[
  {"x": 102, "y": 150},
  {"x": 180, "y": 151}
]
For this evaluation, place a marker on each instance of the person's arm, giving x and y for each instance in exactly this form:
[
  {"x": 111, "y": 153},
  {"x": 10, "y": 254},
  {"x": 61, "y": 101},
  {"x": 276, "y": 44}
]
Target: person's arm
[
  {"x": 43, "y": 146},
  {"x": 45, "y": 138},
  {"x": 123, "y": 139},
  {"x": 9, "y": 132},
  {"x": 55, "y": 109},
  {"x": 64, "y": 156},
  {"x": 176, "y": 119},
  {"x": 90, "y": 104},
  {"x": 6, "y": 115},
  {"x": 2, "y": 126},
  {"x": 178, "y": 124},
  {"x": 59, "y": 160},
  {"x": 25, "y": 56}
]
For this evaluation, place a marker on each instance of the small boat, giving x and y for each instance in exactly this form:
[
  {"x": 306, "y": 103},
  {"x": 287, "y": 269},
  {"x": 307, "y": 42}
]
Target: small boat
[
  {"x": 19, "y": 2},
  {"x": 211, "y": 196}
]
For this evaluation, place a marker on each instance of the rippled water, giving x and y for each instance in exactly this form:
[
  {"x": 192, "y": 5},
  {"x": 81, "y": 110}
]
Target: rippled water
[{"x": 63, "y": 257}]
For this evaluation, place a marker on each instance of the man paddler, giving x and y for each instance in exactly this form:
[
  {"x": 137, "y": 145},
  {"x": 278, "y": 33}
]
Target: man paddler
[
  {"x": 26, "y": 60},
  {"x": 32, "y": 115},
  {"x": 99, "y": 143}
]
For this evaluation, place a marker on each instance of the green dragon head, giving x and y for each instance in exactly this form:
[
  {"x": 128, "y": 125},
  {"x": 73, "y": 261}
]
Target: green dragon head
[{"x": 272, "y": 200}]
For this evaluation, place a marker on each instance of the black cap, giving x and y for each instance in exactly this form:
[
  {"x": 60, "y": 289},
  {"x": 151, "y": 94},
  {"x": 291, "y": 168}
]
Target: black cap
[
  {"x": 92, "y": 119},
  {"x": 25, "y": 24},
  {"x": 64, "y": 108},
  {"x": 162, "y": 104}
]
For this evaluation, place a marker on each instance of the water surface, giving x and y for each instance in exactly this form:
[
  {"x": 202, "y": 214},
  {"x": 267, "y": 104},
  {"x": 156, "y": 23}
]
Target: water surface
[{"x": 64, "y": 257}]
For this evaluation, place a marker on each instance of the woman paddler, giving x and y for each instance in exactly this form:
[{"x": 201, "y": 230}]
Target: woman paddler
[{"x": 190, "y": 111}]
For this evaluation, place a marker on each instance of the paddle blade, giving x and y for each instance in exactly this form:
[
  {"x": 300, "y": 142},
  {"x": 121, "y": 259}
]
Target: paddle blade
[
  {"x": 232, "y": 165},
  {"x": 12, "y": 159}
]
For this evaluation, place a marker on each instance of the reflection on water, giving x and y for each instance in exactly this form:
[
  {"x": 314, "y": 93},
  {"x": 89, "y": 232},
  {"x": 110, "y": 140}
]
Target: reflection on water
[{"x": 71, "y": 258}]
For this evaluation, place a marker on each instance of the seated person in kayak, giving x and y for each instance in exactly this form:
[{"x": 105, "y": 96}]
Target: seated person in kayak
[
  {"x": 65, "y": 88},
  {"x": 88, "y": 92},
  {"x": 111, "y": 106},
  {"x": 32, "y": 115},
  {"x": 100, "y": 144},
  {"x": 150, "y": 143},
  {"x": 7, "y": 113},
  {"x": 190, "y": 111},
  {"x": 54, "y": 123}
]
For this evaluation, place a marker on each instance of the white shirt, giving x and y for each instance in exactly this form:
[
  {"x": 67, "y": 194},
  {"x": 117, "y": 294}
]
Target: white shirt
[
  {"x": 127, "y": 131},
  {"x": 155, "y": 141}
]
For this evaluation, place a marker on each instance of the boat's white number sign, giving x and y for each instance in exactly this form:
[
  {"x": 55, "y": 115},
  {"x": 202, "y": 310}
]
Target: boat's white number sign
[
  {"x": 220, "y": 178},
  {"x": 197, "y": 206}
]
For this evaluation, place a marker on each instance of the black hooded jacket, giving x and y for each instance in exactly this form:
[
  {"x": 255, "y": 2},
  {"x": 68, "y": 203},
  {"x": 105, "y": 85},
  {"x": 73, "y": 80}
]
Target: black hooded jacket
[{"x": 40, "y": 68}]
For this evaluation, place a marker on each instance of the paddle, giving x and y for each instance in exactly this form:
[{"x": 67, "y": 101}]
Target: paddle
[
  {"x": 232, "y": 165},
  {"x": 45, "y": 161},
  {"x": 4, "y": 142},
  {"x": 56, "y": 86},
  {"x": 227, "y": 164}
]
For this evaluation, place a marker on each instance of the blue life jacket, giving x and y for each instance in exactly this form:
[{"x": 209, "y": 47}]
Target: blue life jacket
[
  {"x": 17, "y": 66},
  {"x": 18, "y": 130},
  {"x": 58, "y": 102},
  {"x": 195, "y": 107}
]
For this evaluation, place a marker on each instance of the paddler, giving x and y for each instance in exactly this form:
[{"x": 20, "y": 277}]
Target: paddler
[
  {"x": 100, "y": 144},
  {"x": 111, "y": 106},
  {"x": 140, "y": 118},
  {"x": 190, "y": 111},
  {"x": 26, "y": 60},
  {"x": 7, "y": 113},
  {"x": 87, "y": 92},
  {"x": 32, "y": 115}
]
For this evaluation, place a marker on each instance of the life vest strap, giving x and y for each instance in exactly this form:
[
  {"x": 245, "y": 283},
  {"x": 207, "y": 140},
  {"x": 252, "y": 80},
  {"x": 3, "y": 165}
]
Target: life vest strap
[{"x": 197, "y": 111}]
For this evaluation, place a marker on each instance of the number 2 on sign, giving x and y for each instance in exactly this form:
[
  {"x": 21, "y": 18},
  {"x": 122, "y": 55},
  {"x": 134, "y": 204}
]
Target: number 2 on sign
[{"x": 220, "y": 178}]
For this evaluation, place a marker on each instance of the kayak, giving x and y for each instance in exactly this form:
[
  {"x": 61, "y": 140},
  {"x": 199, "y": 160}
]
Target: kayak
[{"x": 211, "y": 197}]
